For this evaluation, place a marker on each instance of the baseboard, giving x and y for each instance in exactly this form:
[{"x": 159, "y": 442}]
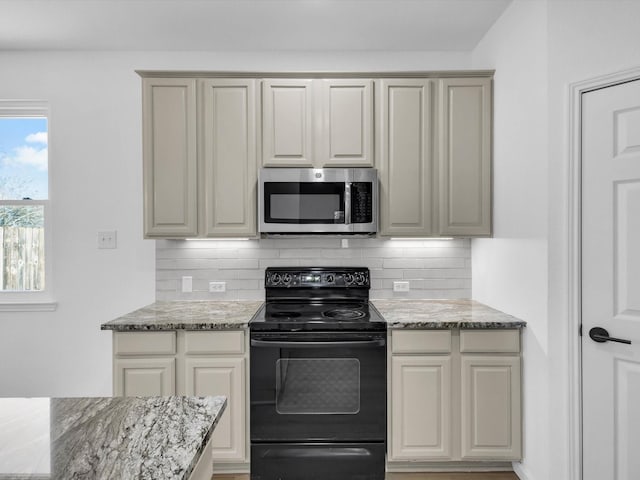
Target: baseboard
[
  {"x": 521, "y": 472},
  {"x": 231, "y": 468},
  {"x": 410, "y": 467}
]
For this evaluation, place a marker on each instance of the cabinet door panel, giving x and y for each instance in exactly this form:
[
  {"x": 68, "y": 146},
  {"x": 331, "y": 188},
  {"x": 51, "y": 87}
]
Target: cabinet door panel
[
  {"x": 287, "y": 128},
  {"x": 170, "y": 157},
  {"x": 221, "y": 376},
  {"x": 490, "y": 407},
  {"x": 405, "y": 166},
  {"x": 229, "y": 157},
  {"x": 465, "y": 156},
  {"x": 421, "y": 415},
  {"x": 144, "y": 377},
  {"x": 347, "y": 131}
]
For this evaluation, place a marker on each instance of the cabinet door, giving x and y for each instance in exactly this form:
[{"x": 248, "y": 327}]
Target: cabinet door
[
  {"x": 229, "y": 157},
  {"x": 222, "y": 376},
  {"x": 287, "y": 126},
  {"x": 420, "y": 407},
  {"x": 465, "y": 156},
  {"x": 345, "y": 138},
  {"x": 144, "y": 377},
  {"x": 169, "y": 157},
  {"x": 405, "y": 160},
  {"x": 490, "y": 407}
]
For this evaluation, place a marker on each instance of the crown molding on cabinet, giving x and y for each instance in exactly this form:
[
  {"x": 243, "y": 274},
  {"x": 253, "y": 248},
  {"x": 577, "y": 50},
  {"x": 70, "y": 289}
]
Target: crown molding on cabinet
[{"x": 232, "y": 74}]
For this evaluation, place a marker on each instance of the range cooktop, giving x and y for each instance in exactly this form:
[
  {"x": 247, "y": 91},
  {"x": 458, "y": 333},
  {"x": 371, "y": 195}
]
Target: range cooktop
[{"x": 317, "y": 298}]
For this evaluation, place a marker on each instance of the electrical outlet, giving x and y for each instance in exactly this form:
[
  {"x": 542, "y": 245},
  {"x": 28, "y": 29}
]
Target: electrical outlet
[
  {"x": 187, "y": 284},
  {"x": 217, "y": 287},
  {"x": 107, "y": 239},
  {"x": 401, "y": 286}
]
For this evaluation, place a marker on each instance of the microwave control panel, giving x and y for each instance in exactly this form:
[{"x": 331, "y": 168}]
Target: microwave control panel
[{"x": 361, "y": 202}]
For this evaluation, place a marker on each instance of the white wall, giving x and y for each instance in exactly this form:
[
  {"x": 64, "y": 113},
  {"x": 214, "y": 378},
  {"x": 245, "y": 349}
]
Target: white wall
[
  {"x": 96, "y": 169},
  {"x": 538, "y": 49},
  {"x": 510, "y": 270}
]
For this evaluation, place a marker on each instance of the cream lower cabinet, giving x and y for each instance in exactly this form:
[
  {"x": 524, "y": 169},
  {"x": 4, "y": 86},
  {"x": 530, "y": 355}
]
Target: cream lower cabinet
[
  {"x": 198, "y": 363},
  {"x": 454, "y": 397},
  {"x": 421, "y": 399}
]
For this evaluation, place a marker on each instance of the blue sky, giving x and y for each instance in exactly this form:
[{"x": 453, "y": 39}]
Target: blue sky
[{"x": 23, "y": 158}]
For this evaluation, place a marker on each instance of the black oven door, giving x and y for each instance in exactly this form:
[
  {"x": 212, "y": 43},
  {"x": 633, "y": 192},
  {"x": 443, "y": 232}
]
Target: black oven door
[{"x": 318, "y": 387}]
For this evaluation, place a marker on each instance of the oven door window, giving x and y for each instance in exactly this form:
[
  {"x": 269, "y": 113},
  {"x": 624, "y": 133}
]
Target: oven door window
[
  {"x": 304, "y": 202},
  {"x": 318, "y": 386}
]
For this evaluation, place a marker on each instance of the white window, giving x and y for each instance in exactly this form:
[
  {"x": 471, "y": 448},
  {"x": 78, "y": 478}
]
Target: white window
[{"x": 25, "y": 210}]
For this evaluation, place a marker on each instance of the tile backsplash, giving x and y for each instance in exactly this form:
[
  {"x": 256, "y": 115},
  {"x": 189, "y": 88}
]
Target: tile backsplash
[{"x": 434, "y": 268}]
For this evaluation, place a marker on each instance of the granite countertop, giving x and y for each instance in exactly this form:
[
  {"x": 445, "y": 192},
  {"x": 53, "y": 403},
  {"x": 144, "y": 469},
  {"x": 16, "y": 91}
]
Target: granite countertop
[
  {"x": 154, "y": 438},
  {"x": 443, "y": 314},
  {"x": 187, "y": 315}
]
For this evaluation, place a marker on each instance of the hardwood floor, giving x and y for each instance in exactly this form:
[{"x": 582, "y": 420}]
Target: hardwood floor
[{"x": 417, "y": 476}]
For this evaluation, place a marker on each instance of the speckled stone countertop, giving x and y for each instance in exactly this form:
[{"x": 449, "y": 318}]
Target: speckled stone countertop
[
  {"x": 154, "y": 438},
  {"x": 187, "y": 315},
  {"x": 443, "y": 314}
]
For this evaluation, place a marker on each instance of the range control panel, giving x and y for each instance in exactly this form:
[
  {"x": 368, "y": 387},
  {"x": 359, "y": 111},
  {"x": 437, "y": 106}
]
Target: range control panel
[{"x": 318, "y": 278}]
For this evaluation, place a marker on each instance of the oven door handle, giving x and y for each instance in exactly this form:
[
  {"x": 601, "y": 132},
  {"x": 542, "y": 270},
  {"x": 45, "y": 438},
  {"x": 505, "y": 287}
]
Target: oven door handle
[{"x": 346, "y": 344}]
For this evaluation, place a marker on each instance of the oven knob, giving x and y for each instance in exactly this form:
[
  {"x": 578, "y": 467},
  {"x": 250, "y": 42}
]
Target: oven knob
[
  {"x": 286, "y": 278},
  {"x": 330, "y": 278},
  {"x": 348, "y": 278},
  {"x": 360, "y": 278},
  {"x": 275, "y": 279}
]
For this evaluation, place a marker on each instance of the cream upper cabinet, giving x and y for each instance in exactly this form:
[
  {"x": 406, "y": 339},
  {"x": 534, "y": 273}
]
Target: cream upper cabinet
[
  {"x": 465, "y": 156},
  {"x": 228, "y": 166},
  {"x": 287, "y": 123},
  {"x": 200, "y": 169},
  {"x": 170, "y": 157},
  {"x": 317, "y": 123},
  {"x": 434, "y": 156},
  {"x": 405, "y": 165}
]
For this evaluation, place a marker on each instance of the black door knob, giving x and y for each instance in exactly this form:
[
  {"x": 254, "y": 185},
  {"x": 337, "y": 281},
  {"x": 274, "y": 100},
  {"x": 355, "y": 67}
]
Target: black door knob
[{"x": 600, "y": 335}]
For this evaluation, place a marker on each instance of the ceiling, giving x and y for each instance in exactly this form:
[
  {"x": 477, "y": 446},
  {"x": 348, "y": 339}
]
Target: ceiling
[{"x": 246, "y": 25}]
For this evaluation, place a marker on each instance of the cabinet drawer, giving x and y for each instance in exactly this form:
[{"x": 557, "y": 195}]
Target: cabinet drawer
[
  {"x": 207, "y": 343},
  {"x": 421, "y": 341},
  {"x": 144, "y": 343},
  {"x": 490, "y": 341}
]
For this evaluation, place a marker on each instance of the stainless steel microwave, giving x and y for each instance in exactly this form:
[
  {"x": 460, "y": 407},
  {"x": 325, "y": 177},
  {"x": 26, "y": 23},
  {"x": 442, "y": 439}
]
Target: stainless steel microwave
[{"x": 318, "y": 201}]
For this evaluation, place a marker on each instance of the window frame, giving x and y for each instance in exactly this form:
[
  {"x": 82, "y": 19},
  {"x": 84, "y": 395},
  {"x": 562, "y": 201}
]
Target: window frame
[{"x": 42, "y": 300}]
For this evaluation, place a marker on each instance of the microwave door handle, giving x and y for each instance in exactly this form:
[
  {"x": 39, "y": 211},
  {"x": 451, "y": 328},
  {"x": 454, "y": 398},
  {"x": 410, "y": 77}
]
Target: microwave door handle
[{"x": 347, "y": 203}]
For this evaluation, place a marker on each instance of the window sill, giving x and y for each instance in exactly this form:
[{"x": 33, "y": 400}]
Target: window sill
[{"x": 28, "y": 306}]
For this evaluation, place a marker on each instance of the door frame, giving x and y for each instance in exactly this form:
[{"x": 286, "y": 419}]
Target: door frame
[{"x": 574, "y": 265}]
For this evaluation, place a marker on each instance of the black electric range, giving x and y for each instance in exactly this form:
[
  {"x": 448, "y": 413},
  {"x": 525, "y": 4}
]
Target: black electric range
[{"x": 318, "y": 377}]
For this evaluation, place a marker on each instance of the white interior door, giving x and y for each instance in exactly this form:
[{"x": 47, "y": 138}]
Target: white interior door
[{"x": 611, "y": 282}]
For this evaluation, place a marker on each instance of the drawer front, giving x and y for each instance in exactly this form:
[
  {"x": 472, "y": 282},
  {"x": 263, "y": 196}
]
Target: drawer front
[
  {"x": 144, "y": 343},
  {"x": 490, "y": 341},
  {"x": 421, "y": 341},
  {"x": 208, "y": 343}
]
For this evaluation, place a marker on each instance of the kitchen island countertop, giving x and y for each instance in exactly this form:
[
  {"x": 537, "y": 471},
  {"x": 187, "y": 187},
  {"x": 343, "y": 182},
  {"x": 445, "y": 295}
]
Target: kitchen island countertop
[
  {"x": 124, "y": 438},
  {"x": 187, "y": 315},
  {"x": 443, "y": 314}
]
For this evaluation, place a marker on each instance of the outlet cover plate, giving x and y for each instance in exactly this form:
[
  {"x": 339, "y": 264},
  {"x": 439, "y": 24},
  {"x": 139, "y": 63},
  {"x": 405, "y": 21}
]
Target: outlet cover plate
[
  {"x": 401, "y": 286},
  {"x": 217, "y": 287}
]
